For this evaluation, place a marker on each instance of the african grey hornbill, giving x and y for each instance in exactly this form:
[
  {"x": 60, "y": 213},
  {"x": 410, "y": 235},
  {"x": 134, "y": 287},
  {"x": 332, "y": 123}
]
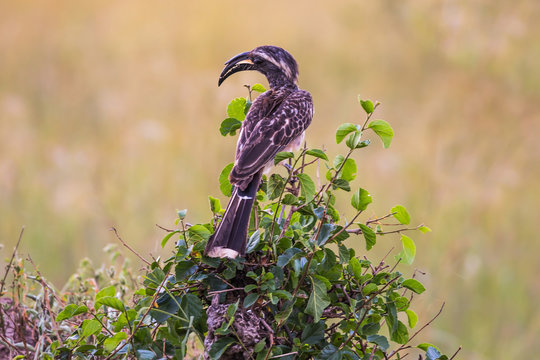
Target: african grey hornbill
[{"x": 275, "y": 122}]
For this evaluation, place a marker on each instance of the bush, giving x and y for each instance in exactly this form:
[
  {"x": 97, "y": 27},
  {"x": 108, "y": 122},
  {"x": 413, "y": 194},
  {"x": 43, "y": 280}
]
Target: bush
[{"x": 299, "y": 293}]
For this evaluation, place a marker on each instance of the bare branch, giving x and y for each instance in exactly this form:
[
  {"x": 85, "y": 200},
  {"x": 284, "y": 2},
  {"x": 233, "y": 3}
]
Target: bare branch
[
  {"x": 129, "y": 247},
  {"x": 11, "y": 261}
]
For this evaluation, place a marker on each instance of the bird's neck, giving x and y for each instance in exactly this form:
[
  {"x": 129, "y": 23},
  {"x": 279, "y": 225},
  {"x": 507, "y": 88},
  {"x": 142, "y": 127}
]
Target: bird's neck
[{"x": 279, "y": 81}]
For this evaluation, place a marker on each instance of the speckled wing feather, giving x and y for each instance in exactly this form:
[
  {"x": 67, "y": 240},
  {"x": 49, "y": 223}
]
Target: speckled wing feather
[{"x": 275, "y": 120}]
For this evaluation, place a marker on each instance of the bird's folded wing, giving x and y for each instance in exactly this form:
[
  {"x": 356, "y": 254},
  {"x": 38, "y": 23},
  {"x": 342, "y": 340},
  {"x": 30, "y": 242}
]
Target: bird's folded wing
[{"x": 272, "y": 134}]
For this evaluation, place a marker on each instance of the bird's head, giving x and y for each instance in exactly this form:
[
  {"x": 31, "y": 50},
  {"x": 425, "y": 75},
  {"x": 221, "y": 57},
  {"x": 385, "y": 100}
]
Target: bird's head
[{"x": 276, "y": 64}]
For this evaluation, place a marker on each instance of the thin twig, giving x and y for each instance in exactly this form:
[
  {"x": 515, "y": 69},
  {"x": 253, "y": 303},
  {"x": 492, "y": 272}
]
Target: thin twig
[
  {"x": 283, "y": 355},
  {"x": 47, "y": 302},
  {"x": 163, "y": 228},
  {"x": 223, "y": 291},
  {"x": 418, "y": 331},
  {"x": 11, "y": 261},
  {"x": 458, "y": 350},
  {"x": 346, "y": 226},
  {"x": 129, "y": 247},
  {"x": 379, "y": 219},
  {"x": 154, "y": 298}
]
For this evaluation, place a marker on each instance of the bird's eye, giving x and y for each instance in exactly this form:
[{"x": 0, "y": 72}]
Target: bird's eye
[{"x": 257, "y": 60}]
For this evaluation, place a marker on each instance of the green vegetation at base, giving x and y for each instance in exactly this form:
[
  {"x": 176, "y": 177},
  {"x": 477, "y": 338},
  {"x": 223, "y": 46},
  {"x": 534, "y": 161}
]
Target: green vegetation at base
[{"x": 299, "y": 293}]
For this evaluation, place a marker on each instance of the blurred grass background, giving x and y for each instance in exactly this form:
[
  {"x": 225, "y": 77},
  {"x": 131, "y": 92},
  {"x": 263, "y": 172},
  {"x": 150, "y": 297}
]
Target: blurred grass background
[{"x": 109, "y": 116}]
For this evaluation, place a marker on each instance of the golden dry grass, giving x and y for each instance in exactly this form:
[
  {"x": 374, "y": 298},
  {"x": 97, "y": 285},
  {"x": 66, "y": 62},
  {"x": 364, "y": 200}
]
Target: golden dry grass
[{"x": 109, "y": 114}]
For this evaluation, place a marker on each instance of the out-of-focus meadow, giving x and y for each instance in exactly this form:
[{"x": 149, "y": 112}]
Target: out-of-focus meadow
[{"x": 109, "y": 116}]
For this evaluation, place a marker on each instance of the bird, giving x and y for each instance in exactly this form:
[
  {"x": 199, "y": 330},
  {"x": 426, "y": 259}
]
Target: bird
[{"x": 275, "y": 122}]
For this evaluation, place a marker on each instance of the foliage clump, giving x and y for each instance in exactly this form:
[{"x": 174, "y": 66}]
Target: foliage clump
[{"x": 299, "y": 293}]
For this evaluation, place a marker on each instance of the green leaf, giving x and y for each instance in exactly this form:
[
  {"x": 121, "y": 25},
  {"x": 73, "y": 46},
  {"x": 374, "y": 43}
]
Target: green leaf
[
  {"x": 401, "y": 334},
  {"x": 383, "y": 130},
  {"x": 411, "y": 317},
  {"x": 330, "y": 352},
  {"x": 414, "y": 285},
  {"x": 192, "y": 306},
  {"x": 112, "y": 342},
  {"x": 344, "y": 255},
  {"x": 85, "y": 348},
  {"x": 154, "y": 279},
  {"x": 401, "y": 214},
  {"x": 317, "y": 153},
  {"x": 282, "y": 294},
  {"x": 363, "y": 144},
  {"x": 348, "y": 170},
  {"x": 283, "y": 315},
  {"x": 369, "y": 288},
  {"x": 253, "y": 241},
  {"x": 313, "y": 333},
  {"x": 361, "y": 199},
  {"x": 250, "y": 299},
  {"x": 380, "y": 340},
  {"x": 90, "y": 327},
  {"x": 259, "y": 346},
  {"x": 107, "y": 291},
  {"x": 283, "y": 155},
  {"x": 198, "y": 232},
  {"x": 215, "y": 204},
  {"x": 165, "y": 307},
  {"x": 324, "y": 234},
  {"x": 184, "y": 269},
  {"x": 284, "y": 258},
  {"x": 168, "y": 237},
  {"x": 371, "y": 329},
  {"x": 426, "y": 346},
  {"x": 307, "y": 186},
  {"x": 232, "y": 308},
  {"x": 369, "y": 235},
  {"x": 276, "y": 184},
  {"x": 111, "y": 302},
  {"x": 345, "y": 129},
  {"x": 289, "y": 199},
  {"x": 236, "y": 108},
  {"x": 342, "y": 184},
  {"x": 145, "y": 354},
  {"x": 219, "y": 347},
  {"x": 355, "y": 268},
  {"x": 367, "y": 105},
  {"x": 354, "y": 140},
  {"x": 70, "y": 311},
  {"x": 250, "y": 287},
  {"x": 258, "y": 88},
  {"x": 409, "y": 250},
  {"x": 229, "y": 126},
  {"x": 432, "y": 353},
  {"x": 424, "y": 229},
  {"x": 224, "y": 183},
  {"x": 318, "y": 300}
]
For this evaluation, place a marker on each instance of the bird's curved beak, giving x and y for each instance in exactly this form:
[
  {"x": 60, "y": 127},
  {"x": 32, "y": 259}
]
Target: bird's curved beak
[{"x": 238, "y": 63}]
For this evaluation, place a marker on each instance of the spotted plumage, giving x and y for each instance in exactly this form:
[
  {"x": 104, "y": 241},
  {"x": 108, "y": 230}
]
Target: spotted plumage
[{"x": 275, "y": 122}]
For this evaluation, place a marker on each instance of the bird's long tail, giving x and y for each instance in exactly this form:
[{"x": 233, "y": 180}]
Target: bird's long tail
[{"x": 230, "y": 237}]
